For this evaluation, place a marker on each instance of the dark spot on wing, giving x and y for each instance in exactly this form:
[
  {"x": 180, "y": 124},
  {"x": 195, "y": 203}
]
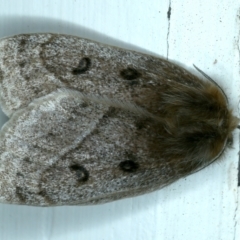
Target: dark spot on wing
[
  {"x": 81, "y": 173},
  {"x": 83, "y": 65},
  {"x": 130, "y": 74}
]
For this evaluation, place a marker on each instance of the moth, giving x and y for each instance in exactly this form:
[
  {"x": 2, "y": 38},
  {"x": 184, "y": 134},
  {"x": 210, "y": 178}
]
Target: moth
[{"x": 91, "y": 123}]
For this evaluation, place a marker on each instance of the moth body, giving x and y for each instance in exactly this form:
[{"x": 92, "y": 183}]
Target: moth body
[{"x": 91, "y": 123}]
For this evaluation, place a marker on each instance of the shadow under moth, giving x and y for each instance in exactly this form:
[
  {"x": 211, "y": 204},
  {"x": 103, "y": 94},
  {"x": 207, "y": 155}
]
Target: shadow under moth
[{"x": 91, "y": 123}]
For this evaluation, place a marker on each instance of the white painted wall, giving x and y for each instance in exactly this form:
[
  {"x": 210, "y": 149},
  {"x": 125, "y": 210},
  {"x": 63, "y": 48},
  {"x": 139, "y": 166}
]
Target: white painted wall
[{"x": 204, "y": 32}]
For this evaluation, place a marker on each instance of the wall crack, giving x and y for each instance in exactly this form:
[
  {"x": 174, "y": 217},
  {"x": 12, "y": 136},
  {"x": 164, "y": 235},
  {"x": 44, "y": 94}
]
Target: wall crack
[{"x": 169, "y": 24}]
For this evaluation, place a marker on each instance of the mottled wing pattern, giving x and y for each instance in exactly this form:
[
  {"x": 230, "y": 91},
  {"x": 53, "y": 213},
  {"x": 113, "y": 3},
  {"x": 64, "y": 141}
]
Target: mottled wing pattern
[
  {"x": 66, "y": 149},
  {"x": 38, "y": 64},
  {"x": 92, "y": 123}
]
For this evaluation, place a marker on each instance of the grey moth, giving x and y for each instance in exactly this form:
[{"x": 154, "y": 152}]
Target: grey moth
[{"x": 91, "y": 123}]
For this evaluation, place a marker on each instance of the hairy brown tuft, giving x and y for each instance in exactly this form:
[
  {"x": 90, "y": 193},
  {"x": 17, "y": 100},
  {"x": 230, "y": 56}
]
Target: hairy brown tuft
[{"x": 194, "y": 125}]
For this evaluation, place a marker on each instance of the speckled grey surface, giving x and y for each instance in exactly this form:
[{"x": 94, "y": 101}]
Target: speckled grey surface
[{"x": 122, "y": 124}]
